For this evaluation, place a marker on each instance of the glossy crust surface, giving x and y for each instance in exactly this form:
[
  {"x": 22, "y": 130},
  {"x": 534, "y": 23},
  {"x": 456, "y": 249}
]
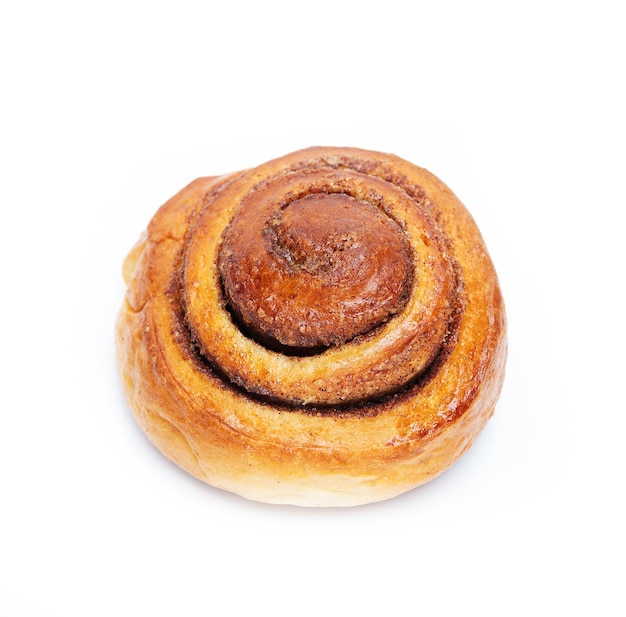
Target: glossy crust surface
[{"x": 326, "y": 329}]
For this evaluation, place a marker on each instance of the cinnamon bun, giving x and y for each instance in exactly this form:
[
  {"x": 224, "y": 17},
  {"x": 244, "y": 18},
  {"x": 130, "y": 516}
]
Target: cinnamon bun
[{"x": 324, "y": 329}]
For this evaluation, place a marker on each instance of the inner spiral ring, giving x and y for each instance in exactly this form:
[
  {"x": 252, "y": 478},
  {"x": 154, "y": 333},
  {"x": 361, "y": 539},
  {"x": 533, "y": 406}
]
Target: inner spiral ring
[
  {"x": 380, "y": 357},
  {"x": 314, "y": 272}
]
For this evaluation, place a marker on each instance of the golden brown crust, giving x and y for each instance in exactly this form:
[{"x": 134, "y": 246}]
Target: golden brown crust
[{"x": 254, "y": 385}]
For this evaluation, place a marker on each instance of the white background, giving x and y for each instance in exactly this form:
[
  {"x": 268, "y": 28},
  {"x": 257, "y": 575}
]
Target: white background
[{"x": 108, "y": 109}]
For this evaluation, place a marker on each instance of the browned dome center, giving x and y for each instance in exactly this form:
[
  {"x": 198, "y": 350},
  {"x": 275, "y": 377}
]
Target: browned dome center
[{"x": 318, "y": 272}]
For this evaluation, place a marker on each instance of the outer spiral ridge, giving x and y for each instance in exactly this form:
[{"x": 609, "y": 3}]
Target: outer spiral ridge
[{"x": 324, "y": 329}]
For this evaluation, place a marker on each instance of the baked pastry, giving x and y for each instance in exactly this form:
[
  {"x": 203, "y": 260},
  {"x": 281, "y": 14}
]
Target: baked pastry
[{"x": 326, "y": 329}]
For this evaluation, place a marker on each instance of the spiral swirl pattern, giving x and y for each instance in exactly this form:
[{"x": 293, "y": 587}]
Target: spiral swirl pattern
[{"x": 326, "y": 328}]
